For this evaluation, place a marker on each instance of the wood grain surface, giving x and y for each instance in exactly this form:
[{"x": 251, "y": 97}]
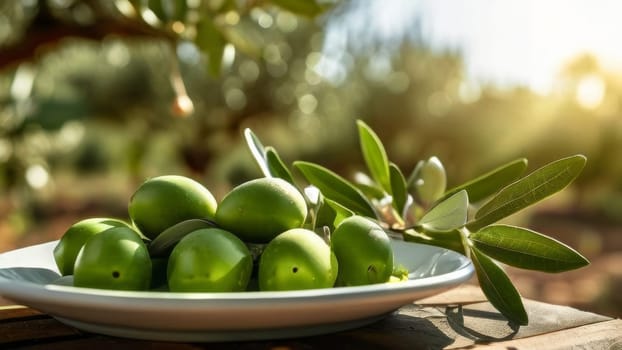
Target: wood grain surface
[{"x": 457, "y": 319}]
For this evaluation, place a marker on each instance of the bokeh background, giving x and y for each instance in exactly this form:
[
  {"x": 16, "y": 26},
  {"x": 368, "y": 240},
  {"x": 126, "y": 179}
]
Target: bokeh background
[{"x": 96, "y": 96}]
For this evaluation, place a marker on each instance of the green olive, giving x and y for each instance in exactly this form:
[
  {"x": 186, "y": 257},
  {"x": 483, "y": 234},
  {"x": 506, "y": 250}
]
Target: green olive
[
  {"x": 164, "y": 201},
  {"x": 364, "y": 252},
  {"x": 66, "y": 251},
  {"x": 114, "y": 259},
  {"x": 297, "y": 259},
  {"x": 260, "y": 209},
  {"x": 209, "y": 260}
]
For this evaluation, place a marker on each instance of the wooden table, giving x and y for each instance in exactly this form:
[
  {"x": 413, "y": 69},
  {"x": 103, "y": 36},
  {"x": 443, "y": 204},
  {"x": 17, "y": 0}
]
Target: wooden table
[{"x": 458, "y": 319}]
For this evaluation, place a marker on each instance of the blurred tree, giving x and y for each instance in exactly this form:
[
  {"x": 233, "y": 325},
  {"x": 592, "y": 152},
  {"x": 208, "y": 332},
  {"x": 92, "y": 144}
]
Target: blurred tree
[
  {"x": 138, "y": 79},
  {"x": 96, "y": 88},
  {"x": 89, "y": 86}
]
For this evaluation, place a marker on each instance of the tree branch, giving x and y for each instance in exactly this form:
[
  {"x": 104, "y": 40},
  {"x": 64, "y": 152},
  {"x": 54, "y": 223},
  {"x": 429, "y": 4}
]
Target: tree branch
[{"x": 47, "y": 30}]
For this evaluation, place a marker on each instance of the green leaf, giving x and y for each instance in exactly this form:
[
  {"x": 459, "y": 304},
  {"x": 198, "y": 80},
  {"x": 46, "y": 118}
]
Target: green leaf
[
  {"x": 219, "y": 6},
  {"x": 341, "y": 212},
  {"x": 498, "y": 288},
  {"x": 309, "y": 8},
  {"x": 324, "y": 214},
  {"x": 247, "y": 38},
  {"x": 526, "y": 249},
  {"x": 375, "y": 156},
  {"x": 447, "y": 215},
  {"x": 398, "y": 188},
  {"x": 165, "y": 241},
  {"x": 370, "y": 191},
  {"x": 257, "y": 150},
  {"x": 533, "y": 188},
  {"x": 175, "y": 10},
  {"x": 330, "y": 213},
  {"x": 276, "y": 167},
  {"x": 451, "y": 240},
  {"x": 336, "y": 188},
  {"x": 491, "y": 182},
  {"x": 158, "y": 9},
  {"x": 136, "y": 4},
  {"x": 211, "y": 41},
  {"x": 366, "y": 185}
]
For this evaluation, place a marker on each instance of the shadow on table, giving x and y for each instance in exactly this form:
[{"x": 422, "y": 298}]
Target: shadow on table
[
  {"x": 480, "y": 325},
  {"x": 398, "y": 331}
]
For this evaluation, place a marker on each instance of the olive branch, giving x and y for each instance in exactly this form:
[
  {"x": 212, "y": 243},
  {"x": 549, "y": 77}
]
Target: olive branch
[{"x": 419, "y": 208}]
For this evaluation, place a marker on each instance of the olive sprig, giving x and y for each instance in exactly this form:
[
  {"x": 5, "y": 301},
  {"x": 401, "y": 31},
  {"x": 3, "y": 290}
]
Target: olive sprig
[{"x": 420, "y": 208}]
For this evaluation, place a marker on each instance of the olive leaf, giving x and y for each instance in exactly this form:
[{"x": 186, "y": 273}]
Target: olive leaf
[
  {"x": 276, "y": 167},
  {"x": 370, "y": 191},
  {"x": 498, "y": 288},
  {"x": 534, "y": 187},
  {"x": 309, "y": 8},
  {"x": 175, "y": 10},
  {"x": 447, "y": 215},
  {"x": 526, "y": 249},
  {"x": 446, "y": 239},
  {"x": 157, "y": 8},
  {"x": 165, "y": 241},
  {"x": 246, "y": 37},
  {"x": 324, "y": 215},
  {"x": 336, "y": 188},
  {"x": 330, "y": 213},
  {"x": 257, "y": 150},
  {"x": 341, "y": 212},
  {"x": 491, "y": 182},
  {"x": 398, "y": 188},
  {"x": 366, "y": 185},
  {"x": 211, "y": 41},
  {"x": 375, "y": 155},
  {"x": 267, "y": 158},
  {"x": 164, "y": 10}
]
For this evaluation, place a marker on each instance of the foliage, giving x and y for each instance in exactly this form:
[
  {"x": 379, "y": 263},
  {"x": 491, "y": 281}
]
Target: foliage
[
  {"x": 133, "y": 77},
  {"x": 206, "y": 23},
  {"x": 426, "y": 212}
]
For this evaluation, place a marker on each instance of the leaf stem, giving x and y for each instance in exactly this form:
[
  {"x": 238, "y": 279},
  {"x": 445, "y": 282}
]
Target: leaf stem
[
  {"x": 466, "y": 242},
  {"x": 449, "y": 239}
]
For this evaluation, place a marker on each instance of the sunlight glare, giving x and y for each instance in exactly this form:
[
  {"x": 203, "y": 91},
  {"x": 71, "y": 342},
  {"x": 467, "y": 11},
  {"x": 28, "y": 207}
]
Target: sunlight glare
[
  {"x": 526, "y": 43},
  {"x": 507, "y": 43},
  {"x": 590, "y": 92},
  {"x": 37, "y": 176}
]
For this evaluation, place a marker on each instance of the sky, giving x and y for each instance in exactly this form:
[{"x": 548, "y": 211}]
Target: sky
[
  {"x": 506, "y": 42},
  {"x": 524, "y": 41}
]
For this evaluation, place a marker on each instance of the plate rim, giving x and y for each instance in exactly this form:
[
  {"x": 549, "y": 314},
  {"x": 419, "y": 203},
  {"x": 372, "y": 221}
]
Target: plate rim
[{"x": 451, "y": 278}]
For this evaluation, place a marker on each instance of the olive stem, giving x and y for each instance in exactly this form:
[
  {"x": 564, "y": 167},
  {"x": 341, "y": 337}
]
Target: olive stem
[
  {"x": 182, "y": 105},
  {"x": 466, "y": 242},
  {"x": 448, "y": 239},
  {"x": 326, "y": 234}
]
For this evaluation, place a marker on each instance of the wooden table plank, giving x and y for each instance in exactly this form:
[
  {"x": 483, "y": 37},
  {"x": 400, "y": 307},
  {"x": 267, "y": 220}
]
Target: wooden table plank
[
  {"x": 602, "y": 335},
  {"x": 4, "y": 302},
  {"x": 463, "y": 295},
  {"x": 33, "y": 330},
  {"x": 456, "y": 319},
  {"x": 10, "y": 312}
]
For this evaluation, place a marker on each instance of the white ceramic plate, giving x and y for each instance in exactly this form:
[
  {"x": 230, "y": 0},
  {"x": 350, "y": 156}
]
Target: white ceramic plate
[{"x": 29, "y": 276}]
